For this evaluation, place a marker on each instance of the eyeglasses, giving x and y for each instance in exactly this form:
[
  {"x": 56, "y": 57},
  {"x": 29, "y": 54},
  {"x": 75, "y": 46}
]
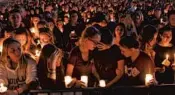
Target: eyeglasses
[{"x": 95, "y": 42}]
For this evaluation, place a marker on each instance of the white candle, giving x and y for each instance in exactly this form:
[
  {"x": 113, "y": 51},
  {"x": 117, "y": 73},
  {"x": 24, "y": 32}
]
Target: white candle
[
  {"x": 102, "y": 83},
  {"x": 67, "y": 80},
  {"x": 37, "y": 53},
  {"x": 2, "y": 88},
  {"x": 85, "y": 80},
  {"x": 148, "y": 78}
]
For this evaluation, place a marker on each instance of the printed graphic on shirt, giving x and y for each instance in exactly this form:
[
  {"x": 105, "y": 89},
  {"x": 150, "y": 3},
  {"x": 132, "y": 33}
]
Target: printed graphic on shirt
[{"x": 132, "y": 71}]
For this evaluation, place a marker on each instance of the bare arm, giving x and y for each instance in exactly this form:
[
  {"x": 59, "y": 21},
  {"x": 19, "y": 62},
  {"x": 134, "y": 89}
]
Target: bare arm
[{"x": 119, "y": 72}]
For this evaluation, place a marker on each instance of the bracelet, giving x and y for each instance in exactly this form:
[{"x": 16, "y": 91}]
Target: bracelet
[{"x": 52, "y": 71}]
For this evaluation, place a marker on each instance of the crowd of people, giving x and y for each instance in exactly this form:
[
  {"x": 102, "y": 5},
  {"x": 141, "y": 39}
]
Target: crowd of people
[{"x": 119, "y": 41}]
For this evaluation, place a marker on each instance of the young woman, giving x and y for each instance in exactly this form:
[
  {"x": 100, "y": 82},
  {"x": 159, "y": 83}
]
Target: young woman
[
  {"x": 81, "y": 58},
  {"x": 120, "y": 31},
  {"x": 17, "y": 71},
  {"x": 45, "y": 37},
  {"x": 50, "y": 69},
  {"x": 148, "y": 40},
  {"x": 164, "y": 72}
]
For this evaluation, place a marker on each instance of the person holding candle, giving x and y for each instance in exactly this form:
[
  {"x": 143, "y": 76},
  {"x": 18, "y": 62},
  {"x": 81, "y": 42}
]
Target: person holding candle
[
  {"x": 22, "y": 35},
  {"x": 139, "y": 64},
  {"x": 17, "y": 72},
  {"x": 50, "y": 69},
  {"x": 111, "y": 68},
  {"x": 81, "y": 58},
  {"x": 164, "y": 56}
]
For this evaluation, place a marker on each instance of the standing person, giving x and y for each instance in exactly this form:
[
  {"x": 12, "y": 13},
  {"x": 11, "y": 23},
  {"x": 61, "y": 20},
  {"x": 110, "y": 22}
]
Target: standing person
[
  {"x": 15, "y": 21},
  {"x": 164, "y": 72},
  {"x": 81, "y": 57},
  {"x": 140, "y": 63},
  {"x": 120, "y": 31},
  {"x": 113, "y": 66},
  {"x": 171, "y": 18},
  {"x": 17, "y": 71},
  {"x": 45, "y": 37}
]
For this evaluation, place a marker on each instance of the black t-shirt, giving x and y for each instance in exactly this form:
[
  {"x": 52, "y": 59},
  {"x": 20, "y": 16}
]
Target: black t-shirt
[
  {"x": 61, "y": 39},
  {"x": 106, "y": 62},
  {"x": 106, "y": 34},
  {"x": 81, "y": 67},
  {"x": 167, "y": 76},
  {"x": 141, "y": 66},
  {"x": 173, "y": 35}
]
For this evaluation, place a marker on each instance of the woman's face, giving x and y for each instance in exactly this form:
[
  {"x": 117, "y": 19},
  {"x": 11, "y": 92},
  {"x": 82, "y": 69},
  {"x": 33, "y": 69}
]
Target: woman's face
[
  {"x": 14, "y": 51},
  {"x": 92, "y": 42},
  {"x": 166, "y": 37},
  {"x": 154, "y": 40},
  {"x": 35, "y": 20},
  {"x": 127, "y": 52},
  {"x": 44, "y": 39},
  {"x": 119, "y": 31},
  {"x": 21, "y": 38}
]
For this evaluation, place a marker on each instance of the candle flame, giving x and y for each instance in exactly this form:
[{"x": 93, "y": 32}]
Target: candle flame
[
  {"x": 32, "y": 30},
  {"x": 0, "y": 48},
  {"x": 148, "y": 78},
  {"x": 37, "y": 52},
  {"x": 167, "y": 56},
  {"x": 2, "y": 88}
]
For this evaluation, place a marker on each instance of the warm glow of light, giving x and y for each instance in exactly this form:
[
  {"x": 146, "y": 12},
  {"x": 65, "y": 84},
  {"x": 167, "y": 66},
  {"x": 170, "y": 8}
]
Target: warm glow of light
[
  {"x": 32, "y": 30},
  {"x": 167, "y": 56},
  {"x": 148, "y": 78},
  {"x": 67, "y": 80},
  {"x": 0, "y": 48},
  {"x": 2, "y": 88},
  {"x": 102, "y": 83},
  {"x": 85, "y": 80},
  {"x": 37, "y": 52}
]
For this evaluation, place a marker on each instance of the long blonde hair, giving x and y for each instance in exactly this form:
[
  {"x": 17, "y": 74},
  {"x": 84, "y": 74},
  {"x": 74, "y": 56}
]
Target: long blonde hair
[
  {"x": 6, "y": 43},
  {"x": 89, "y": 32}
]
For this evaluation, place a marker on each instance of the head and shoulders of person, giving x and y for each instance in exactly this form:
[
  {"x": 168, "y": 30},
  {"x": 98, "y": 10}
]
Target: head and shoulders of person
[{"x": 12, "y": 52}]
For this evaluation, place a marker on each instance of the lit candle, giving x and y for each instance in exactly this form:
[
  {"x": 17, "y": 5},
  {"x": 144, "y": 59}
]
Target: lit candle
[
  {"x": 38, "y": 42},
  {"x": 167, "y": 56},
  {"x": 67, "y": 80},
  {"x": 37, "y": 53},
  {"x": 2, "y": 88},
  {"x": 102, "y": 83},
  {"x": 0, "y": 48},
  {"x": 148, "y": 78},
  {"x": 32, "y": 30},
  {"x": 85, "y": 80}
]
